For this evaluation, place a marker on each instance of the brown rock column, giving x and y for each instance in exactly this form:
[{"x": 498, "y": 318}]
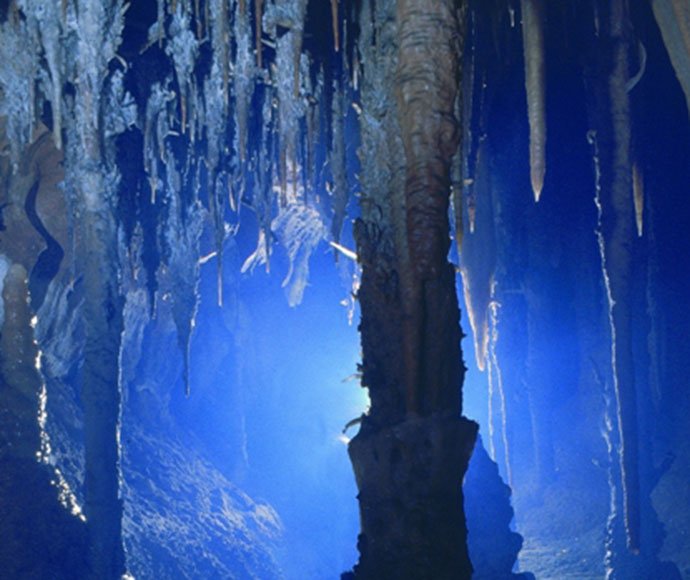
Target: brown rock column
[{"x": 413, "y": 447}]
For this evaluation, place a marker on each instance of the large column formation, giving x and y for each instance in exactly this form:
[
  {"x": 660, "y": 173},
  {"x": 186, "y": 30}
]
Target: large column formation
[{"x": 412, "y": 450}]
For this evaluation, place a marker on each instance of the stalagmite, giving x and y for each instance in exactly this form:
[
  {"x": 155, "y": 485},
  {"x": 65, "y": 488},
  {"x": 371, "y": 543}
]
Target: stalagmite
[{"x": 533, "y": 47}]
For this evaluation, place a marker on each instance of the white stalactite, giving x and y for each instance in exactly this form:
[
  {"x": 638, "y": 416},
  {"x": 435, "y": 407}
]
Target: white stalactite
[
  {"x": 638, "y": 198},
  {"x": 18, "y": 74},
  {"x": 183, "y": 47},
  {"x": 533, "y": 47},
  {"x": 46, "y": 16}
]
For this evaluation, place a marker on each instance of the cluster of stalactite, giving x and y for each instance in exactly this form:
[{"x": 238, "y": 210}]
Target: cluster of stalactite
[
  {"x": 611, "y": 63},
  {"x": 170, "y": 117}
]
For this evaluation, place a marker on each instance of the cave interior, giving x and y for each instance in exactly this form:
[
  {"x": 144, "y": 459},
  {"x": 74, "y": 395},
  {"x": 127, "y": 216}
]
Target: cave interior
[{"x": 368, "y": 289}]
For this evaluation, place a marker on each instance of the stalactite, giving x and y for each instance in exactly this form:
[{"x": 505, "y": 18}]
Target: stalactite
[
  {"x": 456, "y": 201},
  {"x": 160, "y": 21},
  {"x": 155, "y": 131},
  {"x": 223, "y": 36},
  {"x": 638, "y": 198},
  {"x": 182, "y": 231},
  {"x": 334, "y": 18},
  {"x": 217, "y": 203},
  {"x": 197, "y": 19},
  {"x": 215, "y": 85},
  {"x": 216, "y": 95},
  {"x": 45, "y": 17},
  {"x": 300, "y": 229},
  {"x": 263, "y": 199},
  {"x": 242, "y": 79},
  {"x": 291, "y": 105},
  {"x": 20, "y": 65},
  {"x": 257, "y": 31},
  {"x": 182, "y": 47},
  {"x": 287, "y": 78},
  {"x": 478, "y": 256},
  {"x": 310, "y": 137},
  {"x": 336, "y": 159},
  {"x": 614, "y": 190},
  {"x": 533, "y": 46}
]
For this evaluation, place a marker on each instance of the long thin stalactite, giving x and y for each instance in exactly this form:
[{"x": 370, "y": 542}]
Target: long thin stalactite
[{"x": 533, "y": 47}]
